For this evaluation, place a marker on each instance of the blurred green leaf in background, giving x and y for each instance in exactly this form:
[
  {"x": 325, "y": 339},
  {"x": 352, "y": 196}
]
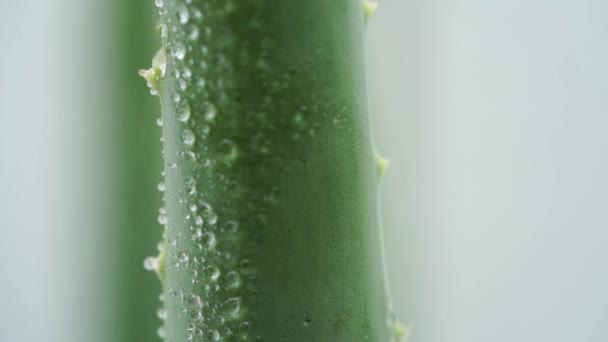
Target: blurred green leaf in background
[{"x": 137, "y": 166}]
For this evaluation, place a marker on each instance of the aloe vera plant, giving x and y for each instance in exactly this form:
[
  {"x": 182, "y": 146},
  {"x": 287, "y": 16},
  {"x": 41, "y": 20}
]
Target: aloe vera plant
[{"x": 270, "y": 178}]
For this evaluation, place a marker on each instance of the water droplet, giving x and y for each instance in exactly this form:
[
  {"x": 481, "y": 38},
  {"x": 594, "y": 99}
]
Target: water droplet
[
  {"x": 307, "y": 321},
  {"x": 183, "y": 14},
  {"x": 194, "y": 300},
  {"x": 198, "y": 221},
  {"x": 197, "y": 14},
  {"x": 232, "y": 306},
  {"x": 211, "y": 218},
  {"x": 162, "y": 219},
  {"x": 161, "y": 332},
  {"x": 151, "y": 263},
  {"x": 228, "y": 148},
  {"x": 191, "y": 155},
  {"x": 183, "y": 257},
  {"x": 162, "y": 314},
  {"x": 209, "y": 111},
  {"x": 192, "y": 207},
  {"x": 176, "y": 97},
  {"x": 188, "y": 137},
  {"x": 161, "y": 186},
  {"x": 214, "y": 335},
  {"x": 179, "y": 51},
  {"x": 189, "y": 181},
  {"x": 298, "y": 119},
  {"x": 182, "y": 84},
  {"x": 208, "y": 239},
  {"x": 212, "y": 272},
  {"x": 183, "y": 111},
  {"x": 177, "y": 293},
  {"x": 187, "y": 73},
  {"x": 232, "y": 280},
  {"x": 172, "y": 241},
  {"x": 159, "y": 3},
  {"x": 200, "y": 83},
  {"x": 196, "y": 315},
  {"x": 204, "y": 129},
  {"x": 159, "y": 122},
  {"x": 193, "y": 33}
]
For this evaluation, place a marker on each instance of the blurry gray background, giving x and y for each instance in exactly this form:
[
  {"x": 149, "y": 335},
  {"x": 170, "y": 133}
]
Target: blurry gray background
[{"x": 493, "y": 114}]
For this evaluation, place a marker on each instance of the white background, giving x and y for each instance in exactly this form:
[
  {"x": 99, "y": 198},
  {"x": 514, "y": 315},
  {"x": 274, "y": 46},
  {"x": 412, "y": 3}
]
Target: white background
[{"x": 494, "y": 114}]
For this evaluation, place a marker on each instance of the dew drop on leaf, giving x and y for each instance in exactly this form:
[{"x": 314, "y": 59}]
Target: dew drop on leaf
[
  {"x": 232, "y": 306},
  {"x": 193, "y": 33},
  {"x": 150, "y": 263},
  {"x": 183, "y": 111},
  {"x": 183, "y": 14},
  {"x": 212, "y": 272},
  {"x": 188, "y": 137},
  {"x": 214, "y": 335},
  {"x": 183, "y": 257},
  {"x": 179, "y": 51},
  {"x": 161, "y": 313},
  {"x": 209, "y": 111}
]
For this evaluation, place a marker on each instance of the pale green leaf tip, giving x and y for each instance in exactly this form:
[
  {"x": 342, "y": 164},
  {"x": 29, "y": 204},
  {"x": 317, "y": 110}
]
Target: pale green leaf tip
[
  {"x": 401, "y": 331},
  {"x": 148, "y": 74},
  {"x": 369, "y": 7},
  {"x": 381, "y": 164},
  {"x": 154, "y": 74}
]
